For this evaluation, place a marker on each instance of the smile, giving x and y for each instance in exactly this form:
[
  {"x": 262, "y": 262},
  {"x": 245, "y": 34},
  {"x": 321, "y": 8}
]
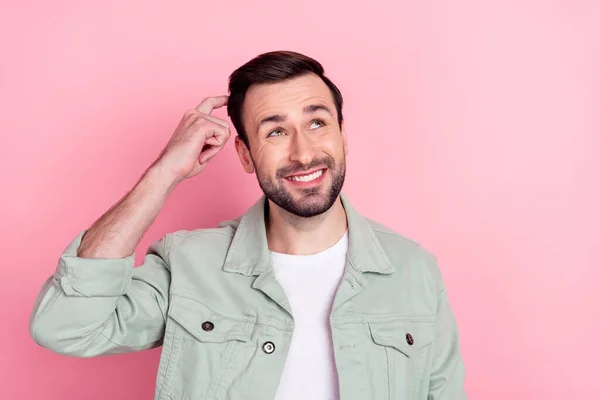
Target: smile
[{"x": 306, "y": 178}]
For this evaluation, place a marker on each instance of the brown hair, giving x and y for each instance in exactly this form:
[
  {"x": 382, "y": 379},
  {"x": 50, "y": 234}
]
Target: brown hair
[{"x": 272, "y": 67}]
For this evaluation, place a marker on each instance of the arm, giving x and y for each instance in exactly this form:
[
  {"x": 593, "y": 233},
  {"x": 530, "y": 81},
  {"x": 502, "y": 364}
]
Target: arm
[{"x": 96, "y": 302}]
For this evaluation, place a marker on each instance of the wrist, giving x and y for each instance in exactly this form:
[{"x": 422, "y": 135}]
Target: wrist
[{"x": 161, "y": 176}]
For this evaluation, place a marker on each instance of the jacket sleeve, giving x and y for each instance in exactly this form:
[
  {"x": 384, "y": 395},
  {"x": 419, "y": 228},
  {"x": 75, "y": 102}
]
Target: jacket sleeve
[
  {"x": 99, "y": 306},
  {"x": 448, "y": 371}
]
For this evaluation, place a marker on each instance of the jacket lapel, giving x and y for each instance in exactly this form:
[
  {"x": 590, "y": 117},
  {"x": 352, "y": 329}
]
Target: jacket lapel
[{"x": 249, "y": 255}]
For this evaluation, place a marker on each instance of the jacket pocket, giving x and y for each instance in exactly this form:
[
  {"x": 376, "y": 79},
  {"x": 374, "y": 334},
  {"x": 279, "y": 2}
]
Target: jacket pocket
[
  {"x": 406, "y": 346},
  {"x": 199, "y": 350}
]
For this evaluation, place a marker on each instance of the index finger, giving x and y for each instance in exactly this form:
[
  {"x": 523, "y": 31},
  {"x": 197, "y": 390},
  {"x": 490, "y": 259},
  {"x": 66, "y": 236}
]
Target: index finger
[{"x": 211, "y": 103}]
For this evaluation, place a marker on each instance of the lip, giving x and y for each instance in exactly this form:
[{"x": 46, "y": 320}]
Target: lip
[
  {"x": 314, "y": 182},
  {"x": 304, "y": 173}
]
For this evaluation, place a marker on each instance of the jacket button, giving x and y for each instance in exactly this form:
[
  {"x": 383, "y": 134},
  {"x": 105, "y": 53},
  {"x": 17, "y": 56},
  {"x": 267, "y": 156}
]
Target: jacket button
[
  {"x": 208, "y": 326},
  {"x": 268, "y": 347},
  {"x": 409, "y": 339}
]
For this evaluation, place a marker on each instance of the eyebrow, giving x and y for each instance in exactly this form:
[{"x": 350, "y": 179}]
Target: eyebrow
[{"x": 276, "y": 118}]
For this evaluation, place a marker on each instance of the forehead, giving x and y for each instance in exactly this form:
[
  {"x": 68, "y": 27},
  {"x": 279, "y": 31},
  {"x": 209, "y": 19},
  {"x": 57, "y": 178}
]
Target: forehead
[{"x": 285, "y": 98}]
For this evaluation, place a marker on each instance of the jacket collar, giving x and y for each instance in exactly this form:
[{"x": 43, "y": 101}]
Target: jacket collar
[{"x": 249, "y": 252}]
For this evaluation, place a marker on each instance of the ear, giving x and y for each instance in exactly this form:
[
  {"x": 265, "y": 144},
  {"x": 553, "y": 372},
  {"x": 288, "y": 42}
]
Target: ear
[
  {"x": 344, "y": 139},
  {"x": 244, "y": 155}
]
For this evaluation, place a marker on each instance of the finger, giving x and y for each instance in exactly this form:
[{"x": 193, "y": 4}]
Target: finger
[
  {"x": 218, "y": 132},
  {"x": 211, "y": 103},
  {"x": 212, "y": 141},
  {"x": 207, "y": 154},
  {"x": 216, "y": 120}
]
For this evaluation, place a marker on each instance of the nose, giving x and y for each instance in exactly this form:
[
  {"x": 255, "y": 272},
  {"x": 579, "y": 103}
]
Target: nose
[{"x": 302, "y": 148}]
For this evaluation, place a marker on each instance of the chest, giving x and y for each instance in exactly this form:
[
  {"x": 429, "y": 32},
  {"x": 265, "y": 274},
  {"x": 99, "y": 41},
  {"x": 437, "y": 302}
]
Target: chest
[{"x": 229, "y": 336}]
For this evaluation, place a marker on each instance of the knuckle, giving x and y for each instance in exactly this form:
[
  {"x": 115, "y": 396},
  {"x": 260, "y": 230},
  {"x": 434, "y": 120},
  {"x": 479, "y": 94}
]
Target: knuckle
[{"x": 201, "y": 121}]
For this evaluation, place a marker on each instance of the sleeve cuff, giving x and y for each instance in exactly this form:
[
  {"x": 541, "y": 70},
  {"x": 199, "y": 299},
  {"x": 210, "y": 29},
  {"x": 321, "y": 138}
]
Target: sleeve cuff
[{"x": 93, "y": 277}]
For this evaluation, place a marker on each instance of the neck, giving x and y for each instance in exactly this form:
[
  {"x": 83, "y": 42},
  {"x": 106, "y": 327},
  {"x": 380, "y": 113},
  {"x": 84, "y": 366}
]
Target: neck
[{"x": 291, "y": 234}]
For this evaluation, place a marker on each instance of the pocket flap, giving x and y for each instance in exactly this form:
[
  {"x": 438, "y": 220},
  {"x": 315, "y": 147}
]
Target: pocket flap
[
  {"x": 208, "y": 324},
  {"x": 407, "y": 337}
]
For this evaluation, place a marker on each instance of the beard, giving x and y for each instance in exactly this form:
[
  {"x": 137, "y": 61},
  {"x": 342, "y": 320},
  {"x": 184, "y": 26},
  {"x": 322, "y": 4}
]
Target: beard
[{"x": 315, "y": 200}]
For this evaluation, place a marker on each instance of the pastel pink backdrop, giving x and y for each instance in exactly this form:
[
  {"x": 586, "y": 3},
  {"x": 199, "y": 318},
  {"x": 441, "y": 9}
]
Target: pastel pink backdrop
[{"x": 473, "y": 129}]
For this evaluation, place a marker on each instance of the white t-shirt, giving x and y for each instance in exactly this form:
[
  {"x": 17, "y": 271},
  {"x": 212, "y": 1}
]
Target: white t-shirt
[{"x": 310, "y": 283}]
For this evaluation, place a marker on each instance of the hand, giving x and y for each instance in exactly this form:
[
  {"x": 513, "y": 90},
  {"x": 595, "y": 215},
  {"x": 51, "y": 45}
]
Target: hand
[{"x": 197, "y": 139}]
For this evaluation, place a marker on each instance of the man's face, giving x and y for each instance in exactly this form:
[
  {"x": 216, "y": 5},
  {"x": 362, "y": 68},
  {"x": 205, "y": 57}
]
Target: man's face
[{"x": 296, "y": 145}]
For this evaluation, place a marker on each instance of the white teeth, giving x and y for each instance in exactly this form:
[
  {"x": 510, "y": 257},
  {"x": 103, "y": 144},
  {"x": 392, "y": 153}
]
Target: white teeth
[{"x": 307, "y": 178}]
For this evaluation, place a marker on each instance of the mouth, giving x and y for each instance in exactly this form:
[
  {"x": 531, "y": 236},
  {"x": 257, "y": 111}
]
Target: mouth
[{"x": 309, "y": 177}]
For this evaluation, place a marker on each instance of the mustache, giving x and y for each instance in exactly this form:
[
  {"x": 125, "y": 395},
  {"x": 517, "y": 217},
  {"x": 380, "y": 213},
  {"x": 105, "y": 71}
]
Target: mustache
[{"x": 323, "y": 162}]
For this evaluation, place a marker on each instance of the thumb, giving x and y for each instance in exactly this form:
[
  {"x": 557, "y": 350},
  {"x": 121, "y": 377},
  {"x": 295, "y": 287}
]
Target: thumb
[{"x": 207, "y": 154}]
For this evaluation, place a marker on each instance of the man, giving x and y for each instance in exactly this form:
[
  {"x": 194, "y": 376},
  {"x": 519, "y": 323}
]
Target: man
[{"x": 300, "y": 298}]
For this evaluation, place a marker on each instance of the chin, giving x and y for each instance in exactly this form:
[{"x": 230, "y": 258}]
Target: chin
[{"x": 310, "y": 205}]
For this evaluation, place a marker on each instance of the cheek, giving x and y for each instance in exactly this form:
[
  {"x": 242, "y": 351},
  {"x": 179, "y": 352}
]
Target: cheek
[
  {"x": 334, "y": 147},
  {"x": 269, "y": 157}
]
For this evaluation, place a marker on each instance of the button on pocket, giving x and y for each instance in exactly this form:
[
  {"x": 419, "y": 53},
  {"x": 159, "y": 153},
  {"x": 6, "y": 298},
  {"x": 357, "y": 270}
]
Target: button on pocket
[
  {"x": 406, "y": 346},
  {"x": 208, "y": 326},
  {"x": 268, "y": 347},
  {"x": 203, "y": 340},
  {"x": 205, "y": 323}
]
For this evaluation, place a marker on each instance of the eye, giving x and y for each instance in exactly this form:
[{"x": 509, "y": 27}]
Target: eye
[
  {"x": 276, "y": 132},
  {"x": 317, "y": 124}
]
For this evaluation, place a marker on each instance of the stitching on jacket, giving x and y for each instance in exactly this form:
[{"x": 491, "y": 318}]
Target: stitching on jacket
[{"x": 201, "y": 232}]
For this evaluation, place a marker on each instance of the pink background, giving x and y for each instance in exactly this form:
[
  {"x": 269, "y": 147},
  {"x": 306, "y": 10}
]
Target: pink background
[{"x": 473, "y": 129}]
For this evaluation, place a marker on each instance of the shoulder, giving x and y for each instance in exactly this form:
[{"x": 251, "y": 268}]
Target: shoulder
[
  {"x": 404, "y": 252},
  {"x": 216, "y": 237}
]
